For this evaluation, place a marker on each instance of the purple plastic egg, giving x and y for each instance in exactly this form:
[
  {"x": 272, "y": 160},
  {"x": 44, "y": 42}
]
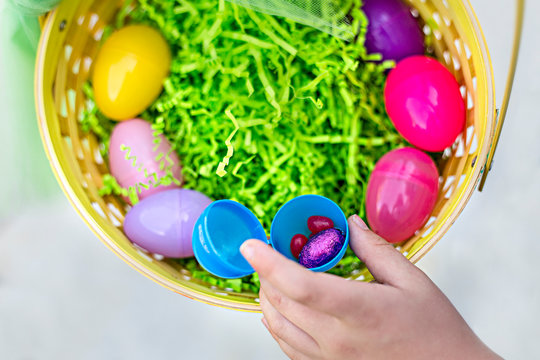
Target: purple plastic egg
[
  {"x": 392, "y": 30},
  {"x": 401, "y": 193},
  {"x": 321, "y": 248},
  {"x": 141, "y": 155},
  {"x": 163, "y": 223}
]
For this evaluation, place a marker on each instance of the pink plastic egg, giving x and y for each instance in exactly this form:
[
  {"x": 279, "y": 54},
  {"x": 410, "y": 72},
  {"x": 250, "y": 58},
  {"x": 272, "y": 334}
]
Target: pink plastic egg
[
  {"x": 140, "y": 156},
  {"x": 401, "y": 193},
  {"x": 424, "y": 102},
  {"x": 163, "y": 223}
]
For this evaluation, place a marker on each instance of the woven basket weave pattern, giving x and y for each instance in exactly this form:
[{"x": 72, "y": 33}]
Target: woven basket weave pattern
[{"x": 69, "y": 44}]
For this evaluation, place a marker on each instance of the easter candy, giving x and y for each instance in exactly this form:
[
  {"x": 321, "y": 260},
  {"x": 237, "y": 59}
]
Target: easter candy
[
  {"x": 321, "y": 248},
  {"x": 297, "y": 243},
  {"x": 392, "y": 30},
  {"x": 135, "y": 160},
  {"x": 292, "y": 219},
  {"x": 317, "y": 224},
  {"x": 401, "y": 193},
  {"x": 129, "y": 71},
  {"x": 163, "y": 223},
  {"x": 424, "y": 102}
]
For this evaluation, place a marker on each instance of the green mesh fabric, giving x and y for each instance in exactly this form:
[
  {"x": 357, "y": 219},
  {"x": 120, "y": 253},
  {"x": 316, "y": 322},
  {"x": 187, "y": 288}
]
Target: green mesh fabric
[
  {"x": 329, "y": 16},
  {"x": 34, "y": 7}
]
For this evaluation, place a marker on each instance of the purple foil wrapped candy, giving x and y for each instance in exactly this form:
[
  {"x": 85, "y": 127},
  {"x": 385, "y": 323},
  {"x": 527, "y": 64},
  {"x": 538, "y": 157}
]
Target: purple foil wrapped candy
[
  {"x": 321, "y": 248},
  {"x": 392, "y": 30}
]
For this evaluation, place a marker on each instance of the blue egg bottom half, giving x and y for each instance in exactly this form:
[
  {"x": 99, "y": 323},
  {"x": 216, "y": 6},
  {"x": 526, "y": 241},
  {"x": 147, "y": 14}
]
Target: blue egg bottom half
[{"x": 291, "y": 219}]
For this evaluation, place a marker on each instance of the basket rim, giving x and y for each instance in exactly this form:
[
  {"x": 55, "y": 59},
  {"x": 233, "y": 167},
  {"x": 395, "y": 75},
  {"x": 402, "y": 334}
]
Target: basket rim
[
  {"x": 480, "y": 166},
  {"x": 81, "y": 209},
  {"x": 456, "y": 207}
]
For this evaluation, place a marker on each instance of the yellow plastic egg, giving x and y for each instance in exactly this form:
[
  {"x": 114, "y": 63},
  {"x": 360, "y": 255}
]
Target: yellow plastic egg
[{"x": 129, "y": 71}]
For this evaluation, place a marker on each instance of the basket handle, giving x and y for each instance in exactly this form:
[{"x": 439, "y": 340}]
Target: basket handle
[{"x": 501, "y": 113}]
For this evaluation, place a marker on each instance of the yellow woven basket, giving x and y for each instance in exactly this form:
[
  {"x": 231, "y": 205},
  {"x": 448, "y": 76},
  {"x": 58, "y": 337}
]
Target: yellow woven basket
[{"x": 69, "y": 43}]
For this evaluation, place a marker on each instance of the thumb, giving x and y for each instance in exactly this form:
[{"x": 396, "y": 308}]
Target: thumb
[{"x": 386, "y": 264}]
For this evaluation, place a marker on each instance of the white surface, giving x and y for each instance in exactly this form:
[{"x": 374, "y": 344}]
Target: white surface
[{"x": 63, "y": 295}]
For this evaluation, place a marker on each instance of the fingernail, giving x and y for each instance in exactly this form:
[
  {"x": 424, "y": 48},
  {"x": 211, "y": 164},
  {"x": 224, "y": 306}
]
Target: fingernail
[
  {"x": 358, "y": 221},
  {"x": 247, "y": 250}
]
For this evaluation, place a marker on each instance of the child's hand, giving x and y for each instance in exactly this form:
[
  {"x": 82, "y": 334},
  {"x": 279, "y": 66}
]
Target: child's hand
[{"x": 321, "y": 316}]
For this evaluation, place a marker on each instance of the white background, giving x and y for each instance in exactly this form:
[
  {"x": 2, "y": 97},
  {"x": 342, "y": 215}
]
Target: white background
[{"x": 63, "y": 295}]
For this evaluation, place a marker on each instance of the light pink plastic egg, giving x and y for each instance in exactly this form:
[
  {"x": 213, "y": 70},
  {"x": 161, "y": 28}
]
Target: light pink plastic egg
[
  {"x": 133, "y": 157},
  {"x": 424, "y": 102},
  {"x": 401, "y": 193}
]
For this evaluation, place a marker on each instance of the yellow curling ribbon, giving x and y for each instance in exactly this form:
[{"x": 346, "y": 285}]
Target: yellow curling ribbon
[{"x": 230, "y": 149}]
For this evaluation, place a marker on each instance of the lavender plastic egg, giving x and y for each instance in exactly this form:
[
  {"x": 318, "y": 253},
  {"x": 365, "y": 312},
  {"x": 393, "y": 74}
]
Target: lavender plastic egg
[
  {"x": 392, "y": 30},
  {"x": 401, "y": 193},
  {"x": 163, "y": 223},
  {"x": 321, "y": 248}
]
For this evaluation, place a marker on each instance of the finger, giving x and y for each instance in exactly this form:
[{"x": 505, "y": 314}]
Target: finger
[
  {"x": 304, "y": 286},
  {"x": 286, "y": 330},
  {"x": 291, "y": 352},
  {"x": 386, "y": 264},
  {"x": 305, "y": 318}
]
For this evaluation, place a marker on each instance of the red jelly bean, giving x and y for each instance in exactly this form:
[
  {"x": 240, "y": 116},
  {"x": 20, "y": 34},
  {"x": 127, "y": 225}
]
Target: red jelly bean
[
  {"x": 319, "y": 223},
  {"x": 297, "y": 243}
]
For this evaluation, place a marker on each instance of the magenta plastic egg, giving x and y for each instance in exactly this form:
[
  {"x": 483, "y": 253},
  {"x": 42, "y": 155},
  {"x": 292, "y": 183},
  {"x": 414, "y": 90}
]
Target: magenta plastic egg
[
  {"x": 424, "y": 102},
  {"x": 392, "y": 30},
  {"x": 134, "y": 157},
  {"x": 163, "y": 223},
  {"x": 401, "y": 193}
]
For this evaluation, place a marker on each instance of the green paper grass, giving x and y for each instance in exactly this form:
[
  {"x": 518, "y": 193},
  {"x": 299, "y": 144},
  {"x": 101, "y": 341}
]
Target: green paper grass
[{"x": 261, "y": 110}]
